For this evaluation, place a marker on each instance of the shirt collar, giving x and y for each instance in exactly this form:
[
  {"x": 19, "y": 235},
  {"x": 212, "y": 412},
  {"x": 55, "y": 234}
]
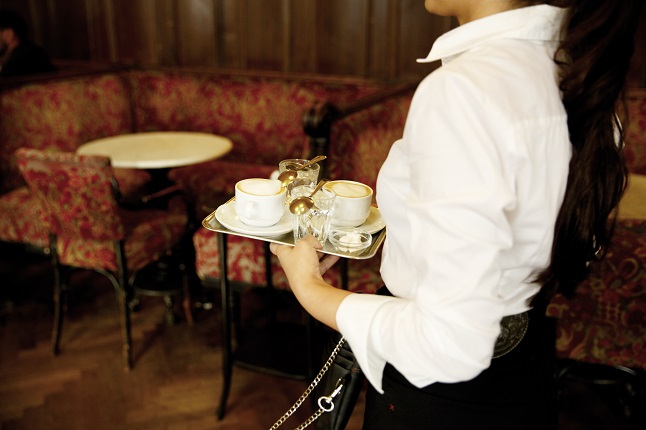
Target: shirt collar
[{"x": 540, "y": 22}]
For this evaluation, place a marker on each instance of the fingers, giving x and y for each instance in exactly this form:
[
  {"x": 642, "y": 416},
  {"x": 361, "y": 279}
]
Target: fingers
[
  {"x": 273, "y": 247},
  {"x": 328, "y": 261},
  {"x": 309, "y": 241}
]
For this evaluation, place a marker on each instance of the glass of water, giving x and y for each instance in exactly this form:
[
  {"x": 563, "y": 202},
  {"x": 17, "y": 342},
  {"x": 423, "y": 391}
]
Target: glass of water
[
  {"x": 307, "y": 175},
  {"x": 317, "y": 221}
]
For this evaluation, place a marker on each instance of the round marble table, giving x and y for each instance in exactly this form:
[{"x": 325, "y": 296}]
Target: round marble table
[{"x": 158, "y": 150}]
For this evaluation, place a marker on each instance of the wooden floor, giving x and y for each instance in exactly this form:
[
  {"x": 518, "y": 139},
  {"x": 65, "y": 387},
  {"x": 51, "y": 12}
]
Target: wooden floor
[{"x": 176, "y": 380}]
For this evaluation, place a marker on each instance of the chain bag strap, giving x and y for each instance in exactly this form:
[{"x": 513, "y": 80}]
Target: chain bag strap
[{"x": 341, "y": 380}]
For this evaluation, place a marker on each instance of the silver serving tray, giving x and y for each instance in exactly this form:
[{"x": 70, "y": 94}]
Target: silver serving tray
[{"x": 212, "y": 223}]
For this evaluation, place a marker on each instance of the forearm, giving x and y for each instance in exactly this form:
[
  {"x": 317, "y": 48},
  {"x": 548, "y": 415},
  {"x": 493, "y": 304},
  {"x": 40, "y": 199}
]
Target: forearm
[
  {"x": 304, "y": 272},
  {"x": 319, "y": 299}
]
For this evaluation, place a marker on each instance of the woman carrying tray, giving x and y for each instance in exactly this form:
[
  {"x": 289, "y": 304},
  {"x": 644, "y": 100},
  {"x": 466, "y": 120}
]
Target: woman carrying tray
[{"x": 496, "y": 197}]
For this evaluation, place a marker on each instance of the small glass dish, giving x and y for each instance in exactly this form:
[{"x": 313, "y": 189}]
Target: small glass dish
[{"x": 350, "y": 240}]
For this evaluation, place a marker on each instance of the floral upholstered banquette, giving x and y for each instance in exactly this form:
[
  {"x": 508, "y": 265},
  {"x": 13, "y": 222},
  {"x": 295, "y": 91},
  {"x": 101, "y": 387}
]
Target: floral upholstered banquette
[
  {"x": 56, "y": 116},
  {"x": 261, "y": 114},
  {"x": 605, "y": 323}
]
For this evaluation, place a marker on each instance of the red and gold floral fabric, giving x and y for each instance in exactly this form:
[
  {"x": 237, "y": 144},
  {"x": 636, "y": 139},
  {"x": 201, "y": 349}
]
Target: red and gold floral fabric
[
  {"x": 60, "y": 116},
  {"x": 21, "y": 220},
  {"x": 360, "y": 142},
  {"x": 246, "y": 264},
  {"x": 262, "y": 116},
  {"x": 606, "y": 321},
  {"x": 78, "y": 205}
]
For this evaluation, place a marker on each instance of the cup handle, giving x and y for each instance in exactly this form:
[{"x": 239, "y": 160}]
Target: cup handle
[{"x": 249, "y": 210}]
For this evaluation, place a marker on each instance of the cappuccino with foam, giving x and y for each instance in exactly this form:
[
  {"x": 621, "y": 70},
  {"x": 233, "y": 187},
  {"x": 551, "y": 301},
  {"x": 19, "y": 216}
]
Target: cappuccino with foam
[
  {"x": 260, "y": 202},
  {"x": 352, "y": 204}
]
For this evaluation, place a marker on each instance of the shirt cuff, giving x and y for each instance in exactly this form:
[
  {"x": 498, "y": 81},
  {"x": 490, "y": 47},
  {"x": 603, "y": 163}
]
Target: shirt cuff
[{"x": 354, "y": 318}]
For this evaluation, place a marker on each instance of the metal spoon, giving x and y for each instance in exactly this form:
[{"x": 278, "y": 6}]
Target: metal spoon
[
  {"x": 292, "y": 170},
  {"x": 302, "y": 204}
]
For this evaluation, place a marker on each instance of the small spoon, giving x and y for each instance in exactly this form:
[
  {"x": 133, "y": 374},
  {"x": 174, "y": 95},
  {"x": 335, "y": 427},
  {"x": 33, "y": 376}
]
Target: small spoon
[
  {"x": 292, "y": 171},
  {"x": 302, "y": 204}
]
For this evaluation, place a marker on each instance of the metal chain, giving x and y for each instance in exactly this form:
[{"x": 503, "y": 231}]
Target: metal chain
[{"x": 308, "y": 391}]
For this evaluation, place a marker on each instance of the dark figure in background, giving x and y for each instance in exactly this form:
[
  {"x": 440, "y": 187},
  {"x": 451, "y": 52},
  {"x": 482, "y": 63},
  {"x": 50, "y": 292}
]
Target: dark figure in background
[{"x": 18, "y": 55}]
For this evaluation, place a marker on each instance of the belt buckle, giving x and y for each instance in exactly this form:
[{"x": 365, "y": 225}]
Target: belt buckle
[{"x": 512, "y": 331}]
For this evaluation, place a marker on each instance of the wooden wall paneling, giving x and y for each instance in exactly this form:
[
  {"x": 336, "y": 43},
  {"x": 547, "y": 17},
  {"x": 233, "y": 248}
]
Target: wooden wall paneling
[
  {"x": 101, "y": 31},
  {"x": 196, "y": 33},
  {"x": 231, "y": 45},
  {"x": 418, "y": 30},
  {"x": 35, "y": 17},
  {"x": 136, "y": 31},
  {"x": 69, "y": 29},
  {"x": 264, "y": 38},
  {"x": 166, "y": 32},
  {"x": 303, "y": 35},
  {"x": 286, "y": 35},
  {"x": 381, "y": 44},
  {"x": 341, "y": 44}
]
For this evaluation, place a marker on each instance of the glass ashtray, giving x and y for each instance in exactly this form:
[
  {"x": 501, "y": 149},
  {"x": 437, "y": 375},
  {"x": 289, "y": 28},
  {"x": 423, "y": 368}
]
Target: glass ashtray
[{"x": 349, "y": 239}]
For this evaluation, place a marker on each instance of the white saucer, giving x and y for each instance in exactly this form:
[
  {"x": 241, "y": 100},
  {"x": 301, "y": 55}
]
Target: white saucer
[
  {"x": 227, "y": 216},
  {"x": 374, "y": 223}
]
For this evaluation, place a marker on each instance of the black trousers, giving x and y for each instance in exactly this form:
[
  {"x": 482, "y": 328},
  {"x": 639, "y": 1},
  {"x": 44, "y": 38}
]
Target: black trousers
[{"x": 515, "y": 392}]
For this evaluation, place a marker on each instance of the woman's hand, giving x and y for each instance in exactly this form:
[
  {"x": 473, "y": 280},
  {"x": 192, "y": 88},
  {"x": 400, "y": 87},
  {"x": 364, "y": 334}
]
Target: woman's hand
[
  {"x": 303, "y": 260},
  {"x": 304, "y": 267}
]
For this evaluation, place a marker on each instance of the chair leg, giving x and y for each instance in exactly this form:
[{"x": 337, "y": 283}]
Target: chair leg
[
  {"x": 60, "y": 301},
  {"x": 123, "y": 287},
  {"x": 123, "y": 297},
  {"x": 170, "y": 314},
  {"x": 186, "y": 299},
  {"x": 227, "y": 349}
]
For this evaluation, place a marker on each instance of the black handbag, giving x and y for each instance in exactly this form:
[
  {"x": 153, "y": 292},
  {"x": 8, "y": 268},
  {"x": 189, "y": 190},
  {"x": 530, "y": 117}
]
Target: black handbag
[{"x": 337, "y": 387}]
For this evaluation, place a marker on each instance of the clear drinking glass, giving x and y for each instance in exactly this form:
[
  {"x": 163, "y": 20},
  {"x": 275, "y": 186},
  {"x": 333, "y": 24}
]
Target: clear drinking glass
[
  {"x": 317, "y": 221},
  {"x": 308, "y": 175}
]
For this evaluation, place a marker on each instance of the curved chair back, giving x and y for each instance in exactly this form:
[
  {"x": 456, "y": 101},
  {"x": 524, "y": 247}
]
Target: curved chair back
[{"x": 78, "y": 193}]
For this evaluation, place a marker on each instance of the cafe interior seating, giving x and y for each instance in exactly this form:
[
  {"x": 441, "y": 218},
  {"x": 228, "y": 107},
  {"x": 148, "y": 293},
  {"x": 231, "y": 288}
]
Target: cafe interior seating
[
  {"x": 601, "y": 331},
  {"x": 78, "y": 197}
]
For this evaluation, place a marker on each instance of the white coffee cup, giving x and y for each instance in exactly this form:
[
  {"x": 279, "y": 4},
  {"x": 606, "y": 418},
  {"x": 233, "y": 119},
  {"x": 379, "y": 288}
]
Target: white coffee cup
[
  {"x": 352, "y": 204},
  {"x": 260, "y": 202}
]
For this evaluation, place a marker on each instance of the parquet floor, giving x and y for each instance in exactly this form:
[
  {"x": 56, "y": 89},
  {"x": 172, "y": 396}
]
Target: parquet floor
[{"x": 176, "y": 380}]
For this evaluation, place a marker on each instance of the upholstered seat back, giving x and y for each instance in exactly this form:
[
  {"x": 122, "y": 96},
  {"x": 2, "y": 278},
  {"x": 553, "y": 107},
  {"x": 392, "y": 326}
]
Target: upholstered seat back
[
  {"x": 636, "y": 133},
  {"x": 76, "y": 192},
  {"x": 606, "y": 321}
]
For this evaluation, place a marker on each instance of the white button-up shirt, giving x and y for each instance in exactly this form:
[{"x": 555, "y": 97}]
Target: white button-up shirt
[{"x": 470, "y": 196}]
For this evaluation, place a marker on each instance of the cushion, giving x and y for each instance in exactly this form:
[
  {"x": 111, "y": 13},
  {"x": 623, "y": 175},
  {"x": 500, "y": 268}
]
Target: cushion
[
  {"x": 60, "y": 116},
  {"x": 21, "y": 219},
  {"x": 606, "y": 321}
]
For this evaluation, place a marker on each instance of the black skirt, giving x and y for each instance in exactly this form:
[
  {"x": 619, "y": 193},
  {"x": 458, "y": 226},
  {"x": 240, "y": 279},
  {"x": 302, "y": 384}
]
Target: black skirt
[{"x": 515, "y": 392}]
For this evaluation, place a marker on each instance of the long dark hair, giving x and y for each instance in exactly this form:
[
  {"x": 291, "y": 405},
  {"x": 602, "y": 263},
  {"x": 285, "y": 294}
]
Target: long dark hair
[{"x": 593, "y": 61}]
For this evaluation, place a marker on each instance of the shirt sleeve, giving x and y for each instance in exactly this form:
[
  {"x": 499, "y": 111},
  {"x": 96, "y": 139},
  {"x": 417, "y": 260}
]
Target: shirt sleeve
[{"x": 443, "y": 325}]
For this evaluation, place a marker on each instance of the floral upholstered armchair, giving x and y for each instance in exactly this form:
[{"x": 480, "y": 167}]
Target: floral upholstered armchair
[{"x": 89, "y": 230}]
